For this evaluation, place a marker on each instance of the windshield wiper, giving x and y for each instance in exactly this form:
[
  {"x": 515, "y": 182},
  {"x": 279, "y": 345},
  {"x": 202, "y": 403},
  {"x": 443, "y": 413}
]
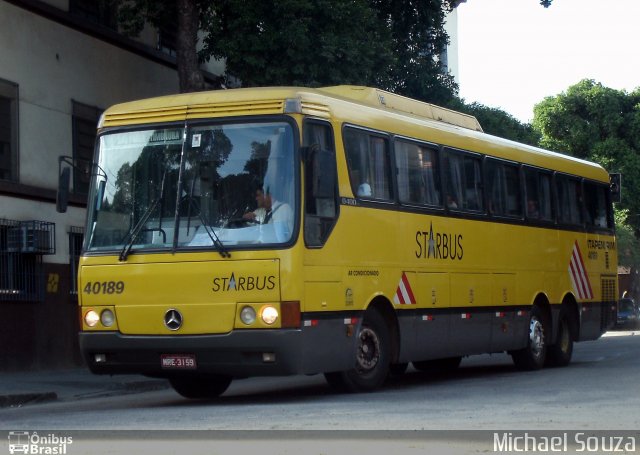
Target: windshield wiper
[
  {"x": 212, "y": 234},
  {"x": 133, "y": 233}
]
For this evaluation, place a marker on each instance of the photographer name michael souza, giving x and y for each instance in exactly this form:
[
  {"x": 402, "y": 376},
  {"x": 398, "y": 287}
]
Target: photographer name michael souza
[{"x": 576, "y": 442}]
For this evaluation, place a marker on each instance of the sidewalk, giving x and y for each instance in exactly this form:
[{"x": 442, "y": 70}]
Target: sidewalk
[{"x": 20, "y": 388}]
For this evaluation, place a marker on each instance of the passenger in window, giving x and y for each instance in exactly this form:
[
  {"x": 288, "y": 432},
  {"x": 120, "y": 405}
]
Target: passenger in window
[
  {"x": 532, "y": 209},
  {"x": 601, "y": 220},
  {"x": 364, "y": 190},
  {"x": 451, "y": 202}
]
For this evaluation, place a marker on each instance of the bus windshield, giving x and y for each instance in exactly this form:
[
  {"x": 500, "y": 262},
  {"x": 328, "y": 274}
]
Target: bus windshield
[{"x": 214, "y": 186}]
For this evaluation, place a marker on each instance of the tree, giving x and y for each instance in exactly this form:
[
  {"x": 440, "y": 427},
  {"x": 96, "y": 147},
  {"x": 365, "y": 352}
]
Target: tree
[
  {"x": 391, "y": 45},
  {"x": 395, "y": 45},
  {"x": 418, "y": 40},
  {"x": 299, "y": 42},
  {"x": 628, "y": 243},
  {"x": 186, "y": 15}
]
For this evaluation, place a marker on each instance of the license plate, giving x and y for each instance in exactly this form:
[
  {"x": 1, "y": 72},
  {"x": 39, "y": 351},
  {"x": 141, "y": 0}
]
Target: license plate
[{"x": 178, "y": 361}]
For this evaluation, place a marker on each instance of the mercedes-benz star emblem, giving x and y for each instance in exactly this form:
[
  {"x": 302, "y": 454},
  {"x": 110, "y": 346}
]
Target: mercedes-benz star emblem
[{"x": 173, "y": 319}]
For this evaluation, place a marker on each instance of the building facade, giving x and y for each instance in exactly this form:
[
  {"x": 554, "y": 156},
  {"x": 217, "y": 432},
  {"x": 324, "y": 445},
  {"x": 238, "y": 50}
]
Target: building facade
[{"x": 61, "y": 63}]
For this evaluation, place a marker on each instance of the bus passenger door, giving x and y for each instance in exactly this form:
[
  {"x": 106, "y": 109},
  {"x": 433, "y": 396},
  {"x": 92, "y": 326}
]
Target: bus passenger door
[{"x": 327, "y": 343}]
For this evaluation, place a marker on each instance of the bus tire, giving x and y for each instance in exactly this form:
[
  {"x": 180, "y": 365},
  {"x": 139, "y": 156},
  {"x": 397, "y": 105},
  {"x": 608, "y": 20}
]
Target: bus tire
[
  {"x": 438, "y": 366},
  {"x": 201, "y": 386},
  {"x": 372, "y": 358},
  {"x": 532, "y": 357},
  {"x": 559, "y": 354}
]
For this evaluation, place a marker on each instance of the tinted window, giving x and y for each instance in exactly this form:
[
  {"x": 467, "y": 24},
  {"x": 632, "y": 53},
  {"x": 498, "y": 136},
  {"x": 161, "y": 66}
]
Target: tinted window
[
  {"x": 595, "y": 198},
  {"x": 569, "y": 200},
  {"x": 464, "y": 181},
  {"x": 418, "y": 174},
  {"x": 368, "y": 161},
  {"x": 320, "y": 181},
  {"x": 539, "y": 200},
  {"x": 503, "y": 186}
]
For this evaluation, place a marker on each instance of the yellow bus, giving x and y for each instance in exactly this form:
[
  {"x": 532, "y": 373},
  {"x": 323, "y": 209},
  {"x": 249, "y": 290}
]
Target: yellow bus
[{"x": 342, "y": 230}]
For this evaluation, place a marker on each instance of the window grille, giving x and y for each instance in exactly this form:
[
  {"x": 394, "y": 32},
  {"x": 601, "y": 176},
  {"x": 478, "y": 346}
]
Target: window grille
[{"x": 21, "y": 273}]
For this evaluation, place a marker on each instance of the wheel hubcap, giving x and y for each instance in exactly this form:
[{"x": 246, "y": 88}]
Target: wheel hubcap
[
  {"x": 536, "y": 337},
  {"x": 368, "y": 350}
]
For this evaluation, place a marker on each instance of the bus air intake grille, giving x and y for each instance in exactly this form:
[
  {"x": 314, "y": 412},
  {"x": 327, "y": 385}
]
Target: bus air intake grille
[
  {"x": 315, "y": 109},
  {"x": 236, "y": 108},
  {"x": 169, "y": 114},
  {"x": 609, "y": 290}
]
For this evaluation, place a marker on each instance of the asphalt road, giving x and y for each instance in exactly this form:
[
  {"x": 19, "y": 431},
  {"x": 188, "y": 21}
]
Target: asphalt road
[{"x": 598, "y": 391}]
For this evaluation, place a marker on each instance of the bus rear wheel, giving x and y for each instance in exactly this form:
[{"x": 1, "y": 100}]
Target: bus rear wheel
[
  {"x": 559, "y": 354},
  {"x": 532, "y": 357},
  {"x": 372, "y": 358},
  {"x": 200, "y": 386}
]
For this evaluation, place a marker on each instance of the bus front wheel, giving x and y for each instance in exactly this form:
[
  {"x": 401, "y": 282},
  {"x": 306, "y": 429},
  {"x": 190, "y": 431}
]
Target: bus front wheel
[
  {"x": 201, "y": 386},
  {"x": 372, "y": 358},
  {"x": 532, "y": 357}
]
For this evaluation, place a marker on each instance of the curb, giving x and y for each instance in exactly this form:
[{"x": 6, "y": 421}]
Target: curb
[{"x": 21, "y": 399}]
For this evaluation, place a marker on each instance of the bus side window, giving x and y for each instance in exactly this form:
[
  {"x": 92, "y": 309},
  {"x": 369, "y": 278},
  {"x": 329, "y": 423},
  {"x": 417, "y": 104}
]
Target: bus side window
[
  {"x": 538, "y": 189},
  {"x": 369, "y": 164},
  {"x": 569, "y": 200},
  {"x": 418, "y": 174},
  {"x": 454, "y": 188},
  {"x": 320, "y": 183},
  {"x": 463, "y": 173},
  {"x": 503, "y": 183},
  {"x": 596, "y": 205}
]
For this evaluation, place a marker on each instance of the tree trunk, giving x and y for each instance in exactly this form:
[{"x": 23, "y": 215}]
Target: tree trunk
[{"x": 189, "y": 74}]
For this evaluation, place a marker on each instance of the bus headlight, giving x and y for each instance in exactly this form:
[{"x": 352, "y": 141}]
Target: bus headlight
[
  {"x": 107, "y": 318},
  {"x": 91, "y": 318},
  {"x": 248, "y": 315},
  {"x": 269, "y": 315}
]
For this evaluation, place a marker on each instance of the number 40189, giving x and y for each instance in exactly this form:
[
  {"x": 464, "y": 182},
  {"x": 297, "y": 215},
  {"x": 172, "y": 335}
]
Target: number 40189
[{"x": 104, "y": 287}]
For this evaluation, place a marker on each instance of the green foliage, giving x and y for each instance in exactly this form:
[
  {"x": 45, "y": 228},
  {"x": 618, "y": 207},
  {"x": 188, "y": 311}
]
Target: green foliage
[
  {"x": 133, "y": 14},
  {"x": 585, "y": 115},
  {"x": 391, "y": 45},
  {"x": 418, "y": 40},
  {"x": 299, "y": 42},
  {"x": 600, "y": 124},
  {"x": 628, "y": 244}
]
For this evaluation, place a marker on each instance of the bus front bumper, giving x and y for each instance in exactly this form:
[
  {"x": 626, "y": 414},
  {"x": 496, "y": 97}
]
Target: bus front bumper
[{"x": 240, "y": 353}]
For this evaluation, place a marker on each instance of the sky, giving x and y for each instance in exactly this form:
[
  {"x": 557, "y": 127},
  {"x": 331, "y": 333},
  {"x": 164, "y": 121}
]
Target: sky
[{"x": 514, "y": 53}]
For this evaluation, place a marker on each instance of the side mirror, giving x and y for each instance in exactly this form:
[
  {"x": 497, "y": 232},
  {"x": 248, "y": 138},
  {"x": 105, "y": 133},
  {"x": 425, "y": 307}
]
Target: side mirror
[
  {"x": 62, "y": 196},
  {"x": 616, "y": 187}
]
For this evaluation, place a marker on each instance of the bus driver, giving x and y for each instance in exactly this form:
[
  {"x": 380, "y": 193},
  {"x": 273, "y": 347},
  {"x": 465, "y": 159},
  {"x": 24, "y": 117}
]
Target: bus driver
[{"x": 269, "y": 210}]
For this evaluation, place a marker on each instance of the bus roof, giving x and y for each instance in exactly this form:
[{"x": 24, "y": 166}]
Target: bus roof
[{"x": 364, "y": 106}]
